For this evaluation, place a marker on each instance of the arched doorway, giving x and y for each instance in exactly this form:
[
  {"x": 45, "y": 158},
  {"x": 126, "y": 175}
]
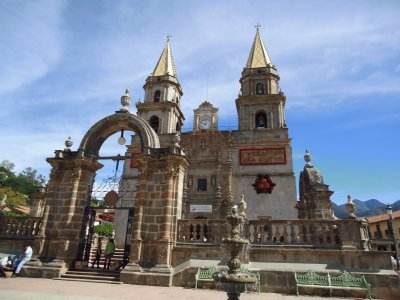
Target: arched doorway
[{"x": 68, "y": 211}]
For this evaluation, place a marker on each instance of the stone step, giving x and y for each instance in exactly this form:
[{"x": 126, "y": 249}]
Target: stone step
[
  {"x": 91, "y": 277},
  {"x": 89, "y": 280},
  {"x": 98, "y": 272}
]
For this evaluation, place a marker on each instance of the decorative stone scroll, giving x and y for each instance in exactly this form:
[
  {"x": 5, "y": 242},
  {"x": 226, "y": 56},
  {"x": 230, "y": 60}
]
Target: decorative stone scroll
[{"x": 263, "y": 156}]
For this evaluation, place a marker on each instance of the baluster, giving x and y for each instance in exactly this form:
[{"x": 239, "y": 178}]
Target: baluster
[
  {"x": 24, "y": 227},
  {"x": 307, "y": 234},
  {"x": 251, "y": 233},
  {"x": 281, "y": 233},
  {"x": 274, "y": 240},
  {"x": 289, "y": 233},
  {"x": 264, "y": 233},
  {"x": 297, "y": 234},
  {"x": 268, "y": 232}
]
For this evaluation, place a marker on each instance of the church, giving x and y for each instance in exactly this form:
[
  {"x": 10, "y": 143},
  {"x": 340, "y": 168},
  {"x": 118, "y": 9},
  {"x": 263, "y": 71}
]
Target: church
[
  {"x": 255, "y": 160},
  {"x": 178, "y": 187}
]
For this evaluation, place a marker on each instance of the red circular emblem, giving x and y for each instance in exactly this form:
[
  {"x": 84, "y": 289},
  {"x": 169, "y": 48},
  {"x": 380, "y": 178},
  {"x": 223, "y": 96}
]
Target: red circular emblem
[{"x": 263, "y": 184}]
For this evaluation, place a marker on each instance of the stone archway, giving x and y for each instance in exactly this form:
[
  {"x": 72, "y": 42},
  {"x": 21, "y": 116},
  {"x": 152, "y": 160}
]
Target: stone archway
[
  {"x": 122, "y": 120},
  {"x": 71, "y": 179}
]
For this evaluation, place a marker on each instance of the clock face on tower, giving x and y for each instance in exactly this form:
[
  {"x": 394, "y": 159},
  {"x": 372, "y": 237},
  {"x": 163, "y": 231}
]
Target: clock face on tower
[
  {"x": 205, "y": 124},
  {"x": 205, "y": 117}
]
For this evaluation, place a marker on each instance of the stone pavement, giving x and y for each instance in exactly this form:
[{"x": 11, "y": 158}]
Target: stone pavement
[{"x": 47, "y": 289}]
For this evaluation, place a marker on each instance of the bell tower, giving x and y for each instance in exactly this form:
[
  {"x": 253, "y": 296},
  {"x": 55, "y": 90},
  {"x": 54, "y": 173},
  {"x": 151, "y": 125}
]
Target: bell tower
[
  {"x": 260, "y": 104},
  {"x": 163, "y": 92}
]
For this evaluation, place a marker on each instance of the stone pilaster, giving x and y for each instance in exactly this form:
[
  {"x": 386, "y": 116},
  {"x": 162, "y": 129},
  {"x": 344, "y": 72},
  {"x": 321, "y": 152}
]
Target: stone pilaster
[{"x": 67, "y": 196}]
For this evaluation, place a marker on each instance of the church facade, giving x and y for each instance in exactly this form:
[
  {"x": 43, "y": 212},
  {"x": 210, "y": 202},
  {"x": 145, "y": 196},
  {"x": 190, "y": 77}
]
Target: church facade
[{"x": 255, "y": 160}]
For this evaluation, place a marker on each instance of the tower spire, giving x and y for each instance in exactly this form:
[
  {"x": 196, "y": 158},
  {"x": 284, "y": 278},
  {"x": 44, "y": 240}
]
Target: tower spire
[
  {"x": 258, "y": 57},
  {"x": 165, "y": 64}
]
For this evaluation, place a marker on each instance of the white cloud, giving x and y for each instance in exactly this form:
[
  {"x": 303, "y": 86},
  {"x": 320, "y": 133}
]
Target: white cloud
[{"x": 29, "y": 41}]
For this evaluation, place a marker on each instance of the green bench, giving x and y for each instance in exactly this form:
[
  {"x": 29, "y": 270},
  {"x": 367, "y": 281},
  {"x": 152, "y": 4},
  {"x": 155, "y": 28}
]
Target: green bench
[
  {"x": 343, "y": 281},
  {"x": 205, "y": 274}
]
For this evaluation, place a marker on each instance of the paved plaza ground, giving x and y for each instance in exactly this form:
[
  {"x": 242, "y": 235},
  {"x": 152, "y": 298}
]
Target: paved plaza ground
[{"x": 47, "y": 289}]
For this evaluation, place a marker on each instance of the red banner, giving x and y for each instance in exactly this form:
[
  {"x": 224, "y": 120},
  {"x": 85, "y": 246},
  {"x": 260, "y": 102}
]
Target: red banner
[{"x": 263, "y": 156}]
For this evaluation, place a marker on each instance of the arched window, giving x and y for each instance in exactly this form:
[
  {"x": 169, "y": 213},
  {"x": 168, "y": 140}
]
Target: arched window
[
  {"x": 261, "y": 120},
  {"x": 260, "y": 89},
  {"x": 157, "y": 96},
  {"x": 178, "y": 127},
  {"x": 154, "y": 122}
]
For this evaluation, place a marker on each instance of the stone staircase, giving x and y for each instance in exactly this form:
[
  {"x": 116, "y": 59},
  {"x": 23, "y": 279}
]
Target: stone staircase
[{"x": 89, "y": 274}]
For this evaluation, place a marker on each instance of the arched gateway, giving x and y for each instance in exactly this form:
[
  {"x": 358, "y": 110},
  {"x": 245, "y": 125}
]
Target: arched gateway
[{"x": 71, "y": 180}]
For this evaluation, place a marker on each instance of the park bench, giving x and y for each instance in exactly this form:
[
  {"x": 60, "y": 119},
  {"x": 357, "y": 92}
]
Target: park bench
[
  {"x": 205, "y": 274},
  {"x": 343, "y": 281}
]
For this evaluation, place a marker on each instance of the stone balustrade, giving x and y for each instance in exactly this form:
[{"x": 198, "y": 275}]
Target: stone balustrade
[
  {"x": 320, "y": 233},
  {"x": 13, "y": 227},
  {"x": 209, "y": 231},
  {"x": 306, "y": 233}
]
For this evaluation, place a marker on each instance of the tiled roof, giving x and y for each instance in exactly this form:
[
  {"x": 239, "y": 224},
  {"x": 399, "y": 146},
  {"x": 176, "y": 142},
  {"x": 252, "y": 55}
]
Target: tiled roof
[{"x": 383, "y": 217}]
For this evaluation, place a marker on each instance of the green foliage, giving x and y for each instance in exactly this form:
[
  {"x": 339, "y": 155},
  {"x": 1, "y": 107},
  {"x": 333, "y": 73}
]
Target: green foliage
[
  {"x": 96, "y": 203},
  {"x": 13, "y": 214},
  {"x": 17, "y": 187},
  {"x": 7, "y": 165},
  {"x": 13, "y": 198},
  {"x": 20, "y": 184},
  {"x": 104, "y": 229}
]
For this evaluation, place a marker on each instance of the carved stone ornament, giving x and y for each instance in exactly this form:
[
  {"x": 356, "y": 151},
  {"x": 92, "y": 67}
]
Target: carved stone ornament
[{"x": 263, "y": 184}]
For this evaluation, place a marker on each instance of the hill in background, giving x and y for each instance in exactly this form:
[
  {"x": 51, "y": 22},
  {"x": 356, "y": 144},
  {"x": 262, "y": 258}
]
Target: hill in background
[{"x": 367, "y": 208}]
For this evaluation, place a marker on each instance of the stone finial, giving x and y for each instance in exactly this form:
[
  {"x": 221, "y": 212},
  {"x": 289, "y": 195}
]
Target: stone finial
[
  {"x": 350, "y": 207},
  {"x": 242, "y": 206},
  {"x": 349, "y": 199},
  {"x": 126, "y": 100},
  {"x": 234, "y": 209},
  {"x": 307, "y": 158},
  {"x": 177, "y": 139},
  {"x": 68, "y": 144}
]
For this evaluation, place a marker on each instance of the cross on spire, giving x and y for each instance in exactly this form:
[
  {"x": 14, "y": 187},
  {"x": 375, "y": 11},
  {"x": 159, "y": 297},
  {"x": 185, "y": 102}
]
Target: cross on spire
[
  {"x": 168, "y": 36},
  {"x": 257, "y": 26}
]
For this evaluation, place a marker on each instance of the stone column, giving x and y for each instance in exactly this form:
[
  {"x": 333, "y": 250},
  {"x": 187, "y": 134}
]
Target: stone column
[
  {"x": 68, "y": 188},
  {"x": 156, "y": 216},
  {"x": 164, "y": 244}
]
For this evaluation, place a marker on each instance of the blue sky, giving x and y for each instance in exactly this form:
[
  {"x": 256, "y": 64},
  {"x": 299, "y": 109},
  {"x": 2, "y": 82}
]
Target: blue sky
[{"x": 65, "y": 65}]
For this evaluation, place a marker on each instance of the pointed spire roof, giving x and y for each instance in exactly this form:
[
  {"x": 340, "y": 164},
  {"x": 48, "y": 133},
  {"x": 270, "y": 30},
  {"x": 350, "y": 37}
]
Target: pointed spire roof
[
  {"x": 258, "y": 57},
  {"x": 165, "y": 65}
]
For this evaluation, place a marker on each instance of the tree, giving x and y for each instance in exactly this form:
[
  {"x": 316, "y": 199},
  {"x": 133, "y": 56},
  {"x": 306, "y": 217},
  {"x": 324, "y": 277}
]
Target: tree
[
  {"x": 30, "y": 175},
  {"x": 7, "y": 165},
  {"x": 17, "y": 188},
  {"x": 105, "y": 229}
]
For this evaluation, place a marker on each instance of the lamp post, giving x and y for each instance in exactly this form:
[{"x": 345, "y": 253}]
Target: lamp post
[{"x": 390, "y": 213}]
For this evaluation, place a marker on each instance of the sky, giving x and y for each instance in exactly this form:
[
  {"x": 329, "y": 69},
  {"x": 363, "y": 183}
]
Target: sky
[{"x": 65, "y": 65}]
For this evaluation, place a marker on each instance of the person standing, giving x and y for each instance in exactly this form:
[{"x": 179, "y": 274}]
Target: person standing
[
  {"x": 98, "y": 252},
  {"x": 110, "y": 249},
  {"x": 25, "y": 257}
]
